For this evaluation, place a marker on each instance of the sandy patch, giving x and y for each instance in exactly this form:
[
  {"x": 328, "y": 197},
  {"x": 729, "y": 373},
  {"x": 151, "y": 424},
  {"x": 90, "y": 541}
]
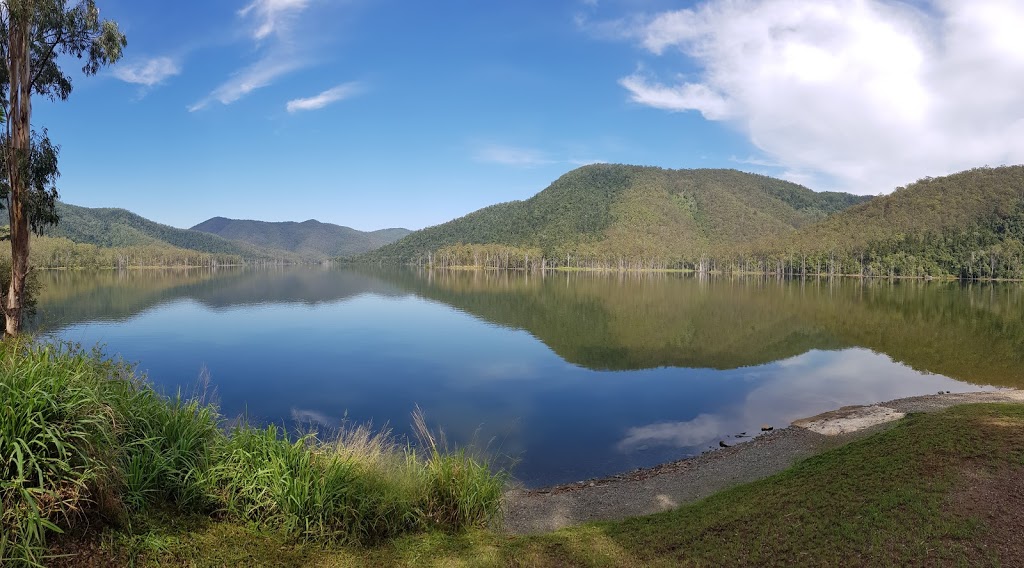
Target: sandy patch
[{"x": 849, "y": 419}]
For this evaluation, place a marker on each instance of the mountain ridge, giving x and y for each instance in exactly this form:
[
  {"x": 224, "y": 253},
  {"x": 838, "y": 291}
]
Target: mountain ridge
[
  {"x": 967, "y": 225},
  {"x": 309, "y": 238},
  {"x": 615, "y": 210},
  {"x": 117, "y": 227}
]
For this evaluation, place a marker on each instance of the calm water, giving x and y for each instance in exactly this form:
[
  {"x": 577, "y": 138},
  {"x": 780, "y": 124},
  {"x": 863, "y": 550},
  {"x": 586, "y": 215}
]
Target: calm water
[{"x": 573, "y": 376}]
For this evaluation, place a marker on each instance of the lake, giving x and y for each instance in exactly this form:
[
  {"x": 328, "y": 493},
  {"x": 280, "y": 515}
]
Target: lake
[{"x": 567, "y": 375}]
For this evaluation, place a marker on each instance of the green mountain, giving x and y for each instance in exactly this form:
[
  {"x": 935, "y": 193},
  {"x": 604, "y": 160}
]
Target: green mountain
[
  {"x": 928, "y": 205},
  {"x": 107, "y": 227},
  {"x": 616, "y": 211},
  {"x": 308, "y": 238}
]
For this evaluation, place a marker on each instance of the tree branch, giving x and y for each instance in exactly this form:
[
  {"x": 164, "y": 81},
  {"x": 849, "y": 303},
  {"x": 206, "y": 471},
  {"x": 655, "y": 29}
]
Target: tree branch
[{"x": 49, "y": 55}]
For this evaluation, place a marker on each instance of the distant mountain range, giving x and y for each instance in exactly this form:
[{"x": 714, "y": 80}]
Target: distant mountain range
[
  {"x": 256, "y": 240},
  {"x": 308, "y": 238},
  {"x": 969, "y": 224},
  {"x": 107, "y": 227}
]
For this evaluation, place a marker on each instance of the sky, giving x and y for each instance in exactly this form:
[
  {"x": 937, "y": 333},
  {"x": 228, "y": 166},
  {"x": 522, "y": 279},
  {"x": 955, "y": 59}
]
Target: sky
[{"x": 388, "y": 113}]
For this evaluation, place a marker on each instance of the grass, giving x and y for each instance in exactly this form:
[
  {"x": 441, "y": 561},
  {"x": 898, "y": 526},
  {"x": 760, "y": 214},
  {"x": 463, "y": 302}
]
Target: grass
[
  {"x": 88, "y": 448},
  {"x": 896, "y": 498}
]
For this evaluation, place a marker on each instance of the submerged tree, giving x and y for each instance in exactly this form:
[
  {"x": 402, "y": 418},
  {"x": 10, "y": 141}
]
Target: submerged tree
[{"x": 33, "y": 35}]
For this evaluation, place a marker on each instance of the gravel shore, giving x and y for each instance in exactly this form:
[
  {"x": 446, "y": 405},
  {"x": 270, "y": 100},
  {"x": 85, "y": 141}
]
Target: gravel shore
[{"x": 673, "y": 484}]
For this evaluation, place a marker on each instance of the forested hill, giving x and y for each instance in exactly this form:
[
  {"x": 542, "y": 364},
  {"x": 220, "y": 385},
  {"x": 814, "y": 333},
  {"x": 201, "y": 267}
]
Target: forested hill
[
  {"x": 968, "y": 225},
  {"x": 107, "y": 227},
  {"x": 959, "y": 201},
  {"x": 308, "y": 238},
  {"x": 616, "y": 211}
]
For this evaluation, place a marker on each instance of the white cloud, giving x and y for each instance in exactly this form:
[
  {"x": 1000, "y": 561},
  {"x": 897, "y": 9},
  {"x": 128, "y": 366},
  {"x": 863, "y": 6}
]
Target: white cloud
[
  {"x": 282, "y": 53},
  {"x": 341, "y": 92},
  {"x": 147, "y": 72},
  {"x": 512, "y": 156},
  {"x": 859, "y": 95}
]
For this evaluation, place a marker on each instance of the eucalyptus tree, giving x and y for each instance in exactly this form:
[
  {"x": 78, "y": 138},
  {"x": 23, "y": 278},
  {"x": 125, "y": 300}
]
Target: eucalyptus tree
[{"x": 35, "y": 36}]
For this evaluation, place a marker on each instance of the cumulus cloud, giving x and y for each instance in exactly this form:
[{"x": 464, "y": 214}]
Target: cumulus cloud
[
  {"x": 147, "y": 72},
  {"x": 858, "y": 95},
  {"x": 269, "y": 23},
  {"x": 333, "y": 95}
]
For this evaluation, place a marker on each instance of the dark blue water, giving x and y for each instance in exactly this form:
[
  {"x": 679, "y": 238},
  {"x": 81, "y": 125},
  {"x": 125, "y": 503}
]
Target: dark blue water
[{"x": 608, "y": 377}]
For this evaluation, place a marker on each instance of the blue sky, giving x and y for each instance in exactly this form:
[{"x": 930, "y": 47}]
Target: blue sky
[{"x": 382, "y": 113}]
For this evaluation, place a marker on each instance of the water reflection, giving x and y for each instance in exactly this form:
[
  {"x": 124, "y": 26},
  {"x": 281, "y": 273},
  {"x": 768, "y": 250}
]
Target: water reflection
[
  {"x": 575, "y": 375},
  {"x": 792, "y": 389}
]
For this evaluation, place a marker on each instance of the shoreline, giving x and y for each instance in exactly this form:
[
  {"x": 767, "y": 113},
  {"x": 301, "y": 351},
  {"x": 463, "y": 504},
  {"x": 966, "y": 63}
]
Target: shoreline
[
  {"x": 670, "y": 485},
  {"x": 694, "y": 272}
]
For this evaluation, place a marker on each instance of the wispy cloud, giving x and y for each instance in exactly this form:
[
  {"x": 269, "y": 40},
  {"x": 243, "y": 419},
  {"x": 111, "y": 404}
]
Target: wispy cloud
[
  {"x": 755, "y": 161},
  {"x": 247, "y": 80},
  {"x": 512, "y": 156},
  {"x": 333, "y": 95},
  {"x": 272, "y": 15},
  {"x": 861, "y": 95},
  {"x": 523, "y": 157},
  {"x": 147, "y": 72},
  {"x": 584, "y": 161},
  {"x": 271, "y": 24}
]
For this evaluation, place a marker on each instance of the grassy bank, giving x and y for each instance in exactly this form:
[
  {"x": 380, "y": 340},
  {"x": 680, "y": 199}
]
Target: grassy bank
[
  {"x": 89, "y": 449},
  {"x": 941, "y": 489}
]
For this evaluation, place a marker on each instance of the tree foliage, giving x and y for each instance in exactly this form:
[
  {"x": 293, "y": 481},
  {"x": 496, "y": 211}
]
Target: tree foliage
[
  {"x": 35, "y": 35},
  {"x": 56, "y": 252}
]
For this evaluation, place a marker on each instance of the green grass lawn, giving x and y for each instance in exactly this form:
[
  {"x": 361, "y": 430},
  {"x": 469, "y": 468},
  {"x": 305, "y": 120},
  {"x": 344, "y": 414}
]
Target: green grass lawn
[{"x": 927, "y": 492}]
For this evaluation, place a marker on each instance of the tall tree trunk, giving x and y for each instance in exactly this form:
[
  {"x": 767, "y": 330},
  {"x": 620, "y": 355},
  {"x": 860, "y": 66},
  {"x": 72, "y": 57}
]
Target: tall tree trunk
[{"x": 18, "y": 145}]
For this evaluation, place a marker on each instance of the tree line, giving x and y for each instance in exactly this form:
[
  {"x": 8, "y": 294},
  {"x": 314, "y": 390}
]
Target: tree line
[{"x": 992, "y": 249}]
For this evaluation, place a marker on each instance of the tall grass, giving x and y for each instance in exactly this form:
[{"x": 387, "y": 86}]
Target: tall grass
[
  {"x": 459, "y": 489},
  {"x": 82, "y": 438},
  {"x": 56, "y": 426}
]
